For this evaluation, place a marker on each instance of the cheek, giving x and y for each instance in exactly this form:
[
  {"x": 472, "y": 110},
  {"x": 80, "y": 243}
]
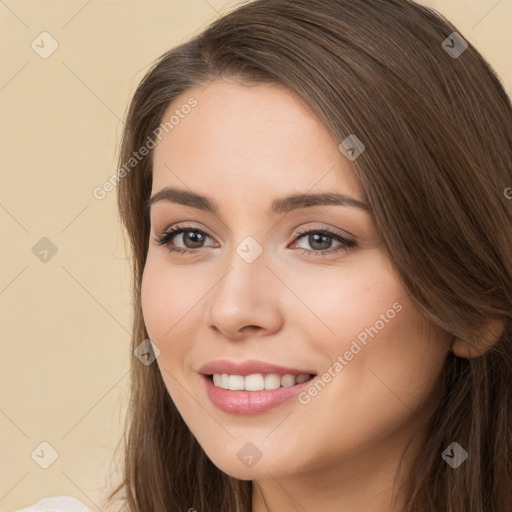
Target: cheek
[
  {"x": 345, "y": 300},
  {"x": 389, "y": 357},
  {"x": 168, "y": 298},
  {"x": 386, "y": 382},
  {"x": 168, "y": 295},
  {"x": 157, "y": 302}
]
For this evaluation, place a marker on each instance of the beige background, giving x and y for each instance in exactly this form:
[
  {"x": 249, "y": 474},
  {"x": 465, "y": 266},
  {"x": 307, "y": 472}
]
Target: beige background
[{"x": 65, "y": 322}]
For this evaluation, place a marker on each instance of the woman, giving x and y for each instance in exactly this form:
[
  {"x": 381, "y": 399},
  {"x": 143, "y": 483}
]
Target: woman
[{"x": 315, "y": 193}]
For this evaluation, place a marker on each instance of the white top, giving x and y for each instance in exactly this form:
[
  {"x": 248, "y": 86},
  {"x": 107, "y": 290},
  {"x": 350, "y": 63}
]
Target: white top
[{"x": 57, "y": 504}]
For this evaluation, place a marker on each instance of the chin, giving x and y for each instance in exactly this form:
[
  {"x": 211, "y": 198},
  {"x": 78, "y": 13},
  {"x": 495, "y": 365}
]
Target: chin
[{"x": 241, "y": 469}]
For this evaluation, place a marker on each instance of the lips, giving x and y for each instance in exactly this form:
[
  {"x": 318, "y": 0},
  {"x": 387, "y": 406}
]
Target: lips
[
  {"x": 247, "y": 403},
  {"x": 250, "y": 367},
  {"x": 289, "y": 383}
]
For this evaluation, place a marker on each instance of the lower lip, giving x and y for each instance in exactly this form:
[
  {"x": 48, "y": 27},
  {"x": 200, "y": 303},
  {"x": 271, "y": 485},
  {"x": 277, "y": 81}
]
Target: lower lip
[{"x": 251, "y": 402}]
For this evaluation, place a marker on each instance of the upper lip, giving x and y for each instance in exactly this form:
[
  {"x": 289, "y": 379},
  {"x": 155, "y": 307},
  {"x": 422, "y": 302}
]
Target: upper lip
[{"x": 249, "y": 367}]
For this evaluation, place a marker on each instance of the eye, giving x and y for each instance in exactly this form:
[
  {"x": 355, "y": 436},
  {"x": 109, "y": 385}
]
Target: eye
[
  {"x": 321, "y": 241},
  {"x": 190, "y": 236}
]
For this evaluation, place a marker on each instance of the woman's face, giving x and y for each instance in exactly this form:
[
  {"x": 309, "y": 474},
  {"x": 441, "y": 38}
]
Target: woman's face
[{"x": 260, "y": 279}]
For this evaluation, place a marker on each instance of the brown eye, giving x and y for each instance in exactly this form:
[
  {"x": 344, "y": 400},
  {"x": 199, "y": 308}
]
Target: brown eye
[
  {"x": 191, "y": 238},
  {"x": 321, "y": 241}
]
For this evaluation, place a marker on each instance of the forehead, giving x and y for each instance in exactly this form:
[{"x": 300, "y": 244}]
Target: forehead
[{"x": 258, "y": 137}]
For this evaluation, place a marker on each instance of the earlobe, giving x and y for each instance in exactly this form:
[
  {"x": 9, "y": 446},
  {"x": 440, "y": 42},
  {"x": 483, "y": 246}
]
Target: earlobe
[{"x": 482, "y": 342}]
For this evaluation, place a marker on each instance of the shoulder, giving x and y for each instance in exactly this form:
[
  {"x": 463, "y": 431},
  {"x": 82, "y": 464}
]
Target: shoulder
[{"x": 57, "y": 504}]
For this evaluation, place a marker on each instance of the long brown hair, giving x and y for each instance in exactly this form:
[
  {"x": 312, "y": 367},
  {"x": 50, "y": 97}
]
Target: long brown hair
[{"x": 437, "y": 128}]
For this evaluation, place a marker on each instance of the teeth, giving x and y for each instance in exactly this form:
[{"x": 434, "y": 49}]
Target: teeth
[
  {"x": 272, "y": 381},
  {"x": 256, "y": 381},
  {"x": 253, "y": 382},
  {"x": 236, "y": 383},
  {"x": 287, "y": 380}
]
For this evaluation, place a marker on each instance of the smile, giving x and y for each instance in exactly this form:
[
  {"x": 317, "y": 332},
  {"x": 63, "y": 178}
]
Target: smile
[
  {"x": 245, "y": 399},
  {"x": 257, "y": 381}
]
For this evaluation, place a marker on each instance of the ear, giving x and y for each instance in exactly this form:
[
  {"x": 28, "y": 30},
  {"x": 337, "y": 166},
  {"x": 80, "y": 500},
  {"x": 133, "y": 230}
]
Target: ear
[{"x": 482, "y": 341}]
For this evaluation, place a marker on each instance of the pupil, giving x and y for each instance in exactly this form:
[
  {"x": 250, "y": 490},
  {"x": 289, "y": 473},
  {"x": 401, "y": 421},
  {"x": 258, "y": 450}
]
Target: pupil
[
  {"x": 194, "y": 237},
  {"x": 313, "y": 239}
]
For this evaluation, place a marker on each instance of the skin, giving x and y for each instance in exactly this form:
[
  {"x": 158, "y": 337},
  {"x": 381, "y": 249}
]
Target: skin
[{"x": 244, "y": 146}]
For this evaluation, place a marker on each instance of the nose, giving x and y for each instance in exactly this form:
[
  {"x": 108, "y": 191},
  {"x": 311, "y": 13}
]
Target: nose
[{"x": 245, "y": 303}]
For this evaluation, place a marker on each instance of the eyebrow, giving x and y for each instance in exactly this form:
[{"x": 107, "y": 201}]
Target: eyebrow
[{"x": 281, "y": 205}]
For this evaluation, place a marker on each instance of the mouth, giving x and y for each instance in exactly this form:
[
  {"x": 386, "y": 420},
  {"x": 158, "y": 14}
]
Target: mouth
[
  {"x": 255, "y": 393},
  {"x": 257, "y": 381}
]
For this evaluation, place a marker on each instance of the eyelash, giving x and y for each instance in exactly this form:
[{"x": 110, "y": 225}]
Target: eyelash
[{"x": 171, "y": 233}]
